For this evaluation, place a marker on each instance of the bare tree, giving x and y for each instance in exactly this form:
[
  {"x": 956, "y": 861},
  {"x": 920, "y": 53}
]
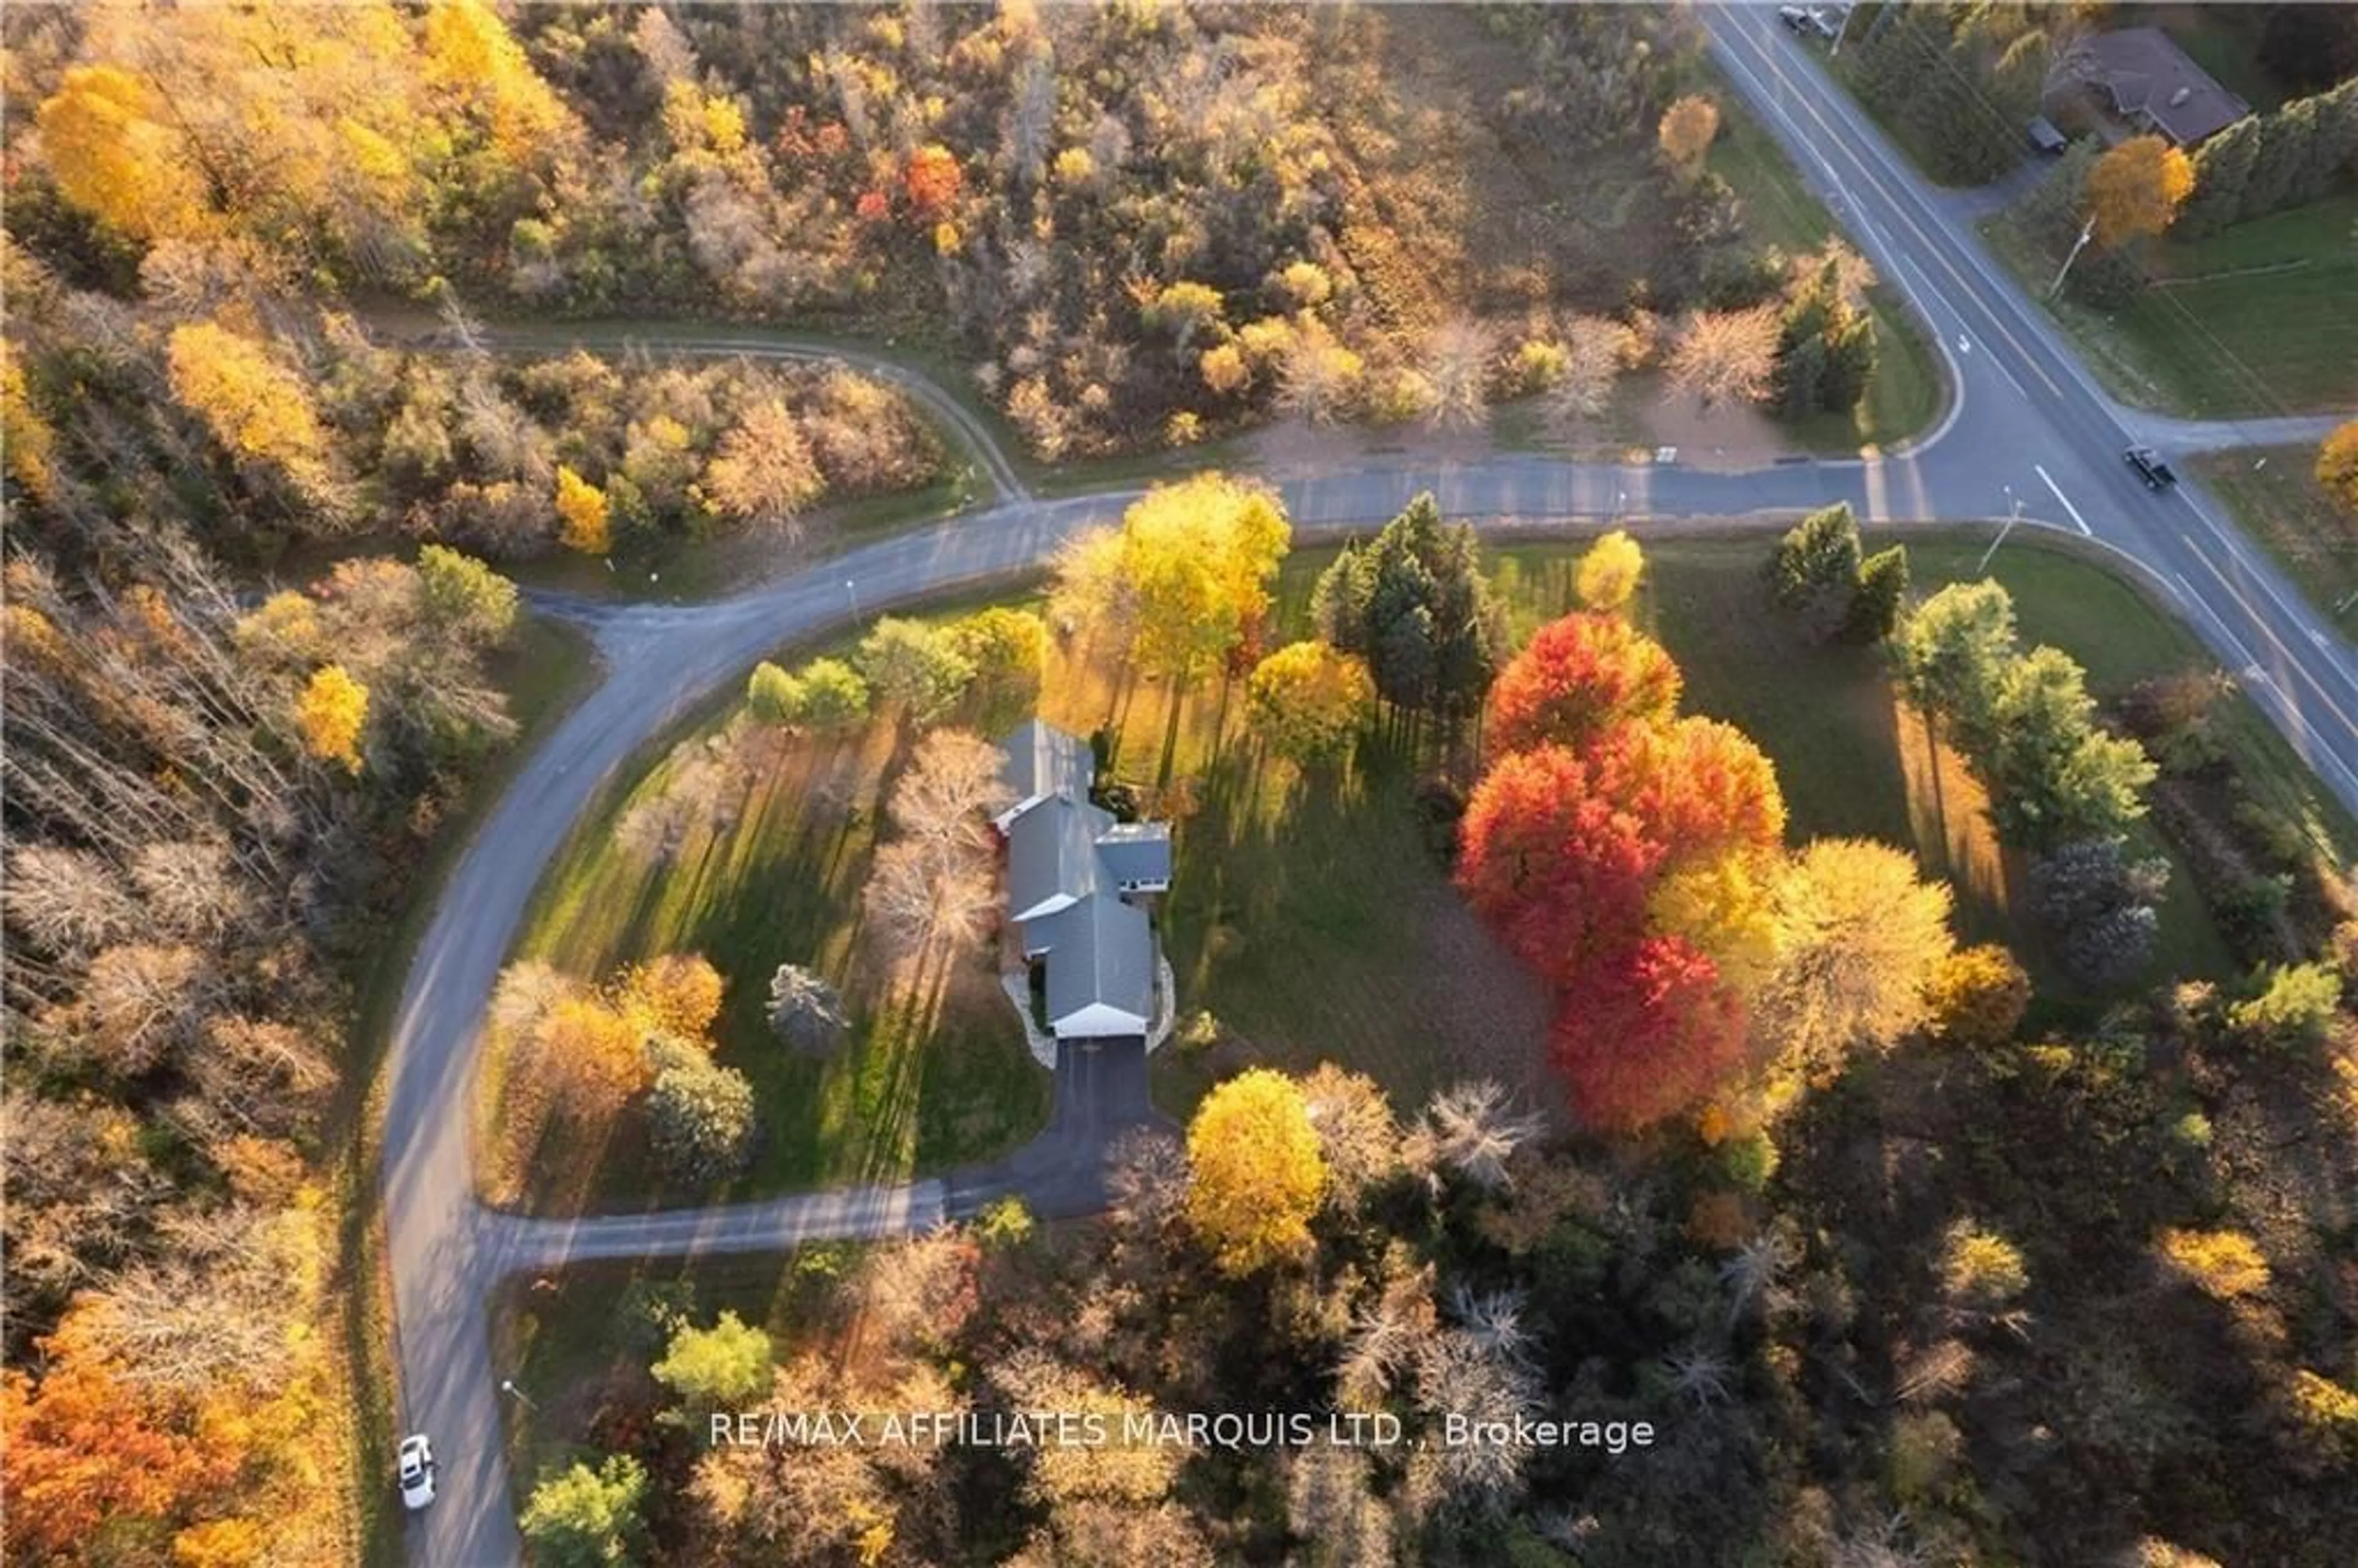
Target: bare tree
[
  {"x": 217, "y": 1310},
  {"x": 140, "y": 1002},
  {"x": 1329, "y": 1504},
  {"x": 1146, "y": 1178},
  {"x": 1357, "y": 1135},
  {"x": 1596, "y": 351},
  {"x": 1699, "y": 1375},
  {"x": 915, "y": 1293},
  {"x": 1495, "y": 1319},
  {"x": 1457, "y": 364},
  {"x": 763, "y": 471},
  {"x": 1317, "y": 376},
  {"x": 1458, "y": 1374},
  {"x": 66, "y": 902},
  {"x": 1726, "y": 356},
  {"x": 190, "y": 887},
  {"x": 262, "y": 1075},
  {"x": 1755, "y": 1274},
  {"x": 1471, "y": 1130},
  {"x": 919, "y": 894},
  {"x": 952, "y": 784}
]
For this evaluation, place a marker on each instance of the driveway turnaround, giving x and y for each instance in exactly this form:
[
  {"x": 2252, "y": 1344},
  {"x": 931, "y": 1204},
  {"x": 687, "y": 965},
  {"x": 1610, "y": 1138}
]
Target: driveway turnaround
[{"x": 2024, "y": 426}]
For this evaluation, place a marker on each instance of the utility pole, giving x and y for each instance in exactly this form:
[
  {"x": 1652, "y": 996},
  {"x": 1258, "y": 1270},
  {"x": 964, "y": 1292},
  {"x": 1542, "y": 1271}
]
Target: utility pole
[
  {"x": 2014, "y": 516},
  {"x": 2079, "y": 244},
  {"x": 507, "y": 1386}
]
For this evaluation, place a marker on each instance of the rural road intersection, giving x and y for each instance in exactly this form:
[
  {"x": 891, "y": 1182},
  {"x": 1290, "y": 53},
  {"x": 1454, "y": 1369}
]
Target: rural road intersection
[{"x": 2025, "y": 423}]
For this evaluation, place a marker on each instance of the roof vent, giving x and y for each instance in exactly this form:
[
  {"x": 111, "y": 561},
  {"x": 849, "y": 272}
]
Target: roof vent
[{"x": 2180, "y": 96}]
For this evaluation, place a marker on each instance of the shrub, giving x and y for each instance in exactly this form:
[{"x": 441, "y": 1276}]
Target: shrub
[
  {"x": 808, "y": 1013},
  {"x": 1004, "y": 1224},
  {"x": 1749, "y": 1161},
  {"x": 1977, "y": 996},
  {"x": 2099, "y": 908},
  {"x": 1981, "y": 1269},
  {"x": 582, "y": 1517},
  {"x": 2291, "y": 1008},
  {"x": 772, "y": 696},
  {"x": 700, "y": 1116},
  {"x": 2222, "y": 1264}
]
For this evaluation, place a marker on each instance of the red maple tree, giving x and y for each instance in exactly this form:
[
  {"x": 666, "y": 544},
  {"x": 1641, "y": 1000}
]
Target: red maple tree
[
  {"x": 1581, "y": 677},
  {"x": 1708, "y": 789},
  {"x": 1556, "y": 855},
  {"x": 1645, "y": 1034}
]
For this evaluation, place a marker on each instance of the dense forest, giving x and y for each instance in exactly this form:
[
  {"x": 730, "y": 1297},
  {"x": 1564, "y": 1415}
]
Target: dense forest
[
  {"x": 1859, "y": 1217},
  {"x": 1128, "y": 225}
]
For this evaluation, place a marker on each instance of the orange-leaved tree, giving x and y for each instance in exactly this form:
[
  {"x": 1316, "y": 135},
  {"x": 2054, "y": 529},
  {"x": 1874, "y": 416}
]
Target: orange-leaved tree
[{"x": 2136, "y": 189}]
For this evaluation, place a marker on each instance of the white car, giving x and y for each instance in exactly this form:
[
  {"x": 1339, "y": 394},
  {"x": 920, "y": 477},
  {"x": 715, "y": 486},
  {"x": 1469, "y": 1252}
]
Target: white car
[{"x": 416, "y": 1471}]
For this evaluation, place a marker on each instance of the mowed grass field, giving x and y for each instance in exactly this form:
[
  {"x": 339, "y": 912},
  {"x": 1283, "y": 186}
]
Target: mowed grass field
[
  {"x": 2255, "y": 320},
  {"x": 2274, "y": 494},
  {"x": 767, "y": 871},
  {"x": 1310, "y": 915}
]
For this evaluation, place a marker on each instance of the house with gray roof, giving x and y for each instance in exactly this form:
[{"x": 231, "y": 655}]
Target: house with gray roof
[
  {"x": 2154, "y": 85},
  {"x": 1043, "y": 762},
  {"x": 1074, "y": 875}
]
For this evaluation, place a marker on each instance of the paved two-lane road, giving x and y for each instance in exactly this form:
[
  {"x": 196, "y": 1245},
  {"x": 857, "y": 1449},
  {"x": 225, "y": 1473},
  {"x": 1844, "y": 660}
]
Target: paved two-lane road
[
  {"x": 2034, "y": 420},
  {"x": 2026, "y": 424}
]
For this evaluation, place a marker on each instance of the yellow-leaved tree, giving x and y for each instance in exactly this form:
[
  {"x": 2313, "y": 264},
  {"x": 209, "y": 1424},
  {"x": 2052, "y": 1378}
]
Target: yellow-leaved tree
[
  {"x": 2136, "y": 189},
  {"x": 678, "y": 994},
  {"x": 1686, "y": 133},
  {"x": 471, "y": 51},
  {"x": 254, "y": 407},
  {"x": 26, "y": 438},
  {"x": 1184, "y": 579},
  {"x": 1254, "y": 1172},
  {"x": 1308, "y": 700},
  {"x": 582, "y": 514},
  {"x": 1609, "y": 572},
  {"x": 111, "y": 157},
  {"x": 332, "y": 713}
]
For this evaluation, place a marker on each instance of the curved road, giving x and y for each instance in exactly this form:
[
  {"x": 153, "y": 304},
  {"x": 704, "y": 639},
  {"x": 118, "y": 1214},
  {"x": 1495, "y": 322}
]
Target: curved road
[{"x": 2026, "y": 425}]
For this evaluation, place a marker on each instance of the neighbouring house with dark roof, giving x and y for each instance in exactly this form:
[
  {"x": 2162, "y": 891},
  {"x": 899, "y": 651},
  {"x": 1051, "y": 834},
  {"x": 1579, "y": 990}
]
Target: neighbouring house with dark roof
[
  {"x": 2154, "y": 85},
  {"x": 1072, "y": 875}
]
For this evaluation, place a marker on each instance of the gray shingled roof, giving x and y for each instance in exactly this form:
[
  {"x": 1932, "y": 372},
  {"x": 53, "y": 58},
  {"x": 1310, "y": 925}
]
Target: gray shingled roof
[
  {"x": 1136, "y": 852},
  {"x": 1043, "y": 760},
  {"x": 1104, "y": 956},
  {"x": 1051, "y": 849},
  {"x": 2145, "y": 71}
]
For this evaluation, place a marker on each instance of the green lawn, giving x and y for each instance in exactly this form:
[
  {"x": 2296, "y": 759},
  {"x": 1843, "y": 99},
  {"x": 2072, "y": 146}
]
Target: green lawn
[
  {"x": 2275, "y": 497},
  {"x": 1905, "y": 397},
  {"x": 2254, "y": 319},
  {"x": 1258, "y": 906},
  {"x": 1850, "y": 760},
  {"x": 935, "y": 1073},
  {"x": 1309, "y": 918}
]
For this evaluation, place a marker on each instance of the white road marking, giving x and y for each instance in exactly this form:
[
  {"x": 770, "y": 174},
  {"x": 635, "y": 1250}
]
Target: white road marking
[
  {"x": 2309, "y": 743},
  {"x": 2066, "y": 499}
]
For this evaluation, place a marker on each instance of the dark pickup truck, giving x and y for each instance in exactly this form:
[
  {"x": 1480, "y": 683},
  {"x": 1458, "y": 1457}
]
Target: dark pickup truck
[{"x": 2150, "y": 468}]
